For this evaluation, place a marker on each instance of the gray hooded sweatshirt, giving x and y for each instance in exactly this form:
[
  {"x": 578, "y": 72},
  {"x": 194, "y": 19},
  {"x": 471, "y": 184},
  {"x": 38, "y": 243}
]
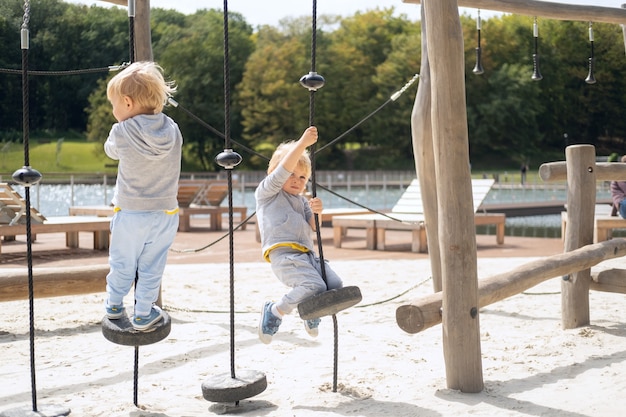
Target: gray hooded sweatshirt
[{"x": 148, "y": 148}]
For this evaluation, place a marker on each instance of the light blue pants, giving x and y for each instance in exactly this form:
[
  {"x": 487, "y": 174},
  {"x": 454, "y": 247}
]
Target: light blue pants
[
  {"x": 302, "y": 271},
  {"x": 140, "y": 241}
]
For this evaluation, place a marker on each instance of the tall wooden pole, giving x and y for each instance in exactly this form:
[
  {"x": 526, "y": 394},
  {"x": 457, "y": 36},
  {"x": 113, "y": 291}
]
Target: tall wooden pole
[
  {"x": 421, "y": 129},
  {"x": 457, "y": 234}
]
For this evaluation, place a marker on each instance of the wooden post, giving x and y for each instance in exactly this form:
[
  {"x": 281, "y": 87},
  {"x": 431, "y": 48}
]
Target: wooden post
[
  {"x": 143, "y": 35},
  {"x": 581, "y": 200},
  {"x": 424, "y": 313},
  {"x": 421, "y": 129},
  {"x": 457, "y": 234}
]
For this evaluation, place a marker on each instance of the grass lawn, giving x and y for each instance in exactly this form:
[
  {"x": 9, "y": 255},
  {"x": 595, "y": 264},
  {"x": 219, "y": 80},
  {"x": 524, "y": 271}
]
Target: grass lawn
[{"x": 57, "y": 156}]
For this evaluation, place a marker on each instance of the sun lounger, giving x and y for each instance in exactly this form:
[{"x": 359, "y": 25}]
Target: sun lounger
[
  {"x": 408, "y": 214},
  {"x": 13, "y": 207}
]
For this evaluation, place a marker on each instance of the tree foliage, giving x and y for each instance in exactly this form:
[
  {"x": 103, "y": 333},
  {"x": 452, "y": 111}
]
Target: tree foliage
[{"x": 364, "y": 59}]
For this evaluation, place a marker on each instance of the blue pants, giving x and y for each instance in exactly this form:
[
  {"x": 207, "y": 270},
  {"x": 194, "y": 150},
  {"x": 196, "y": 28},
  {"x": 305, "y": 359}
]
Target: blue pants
[
  {"x": 140, "y": 241},
  {"x": 302, "y": 271},
  {"x": 622, "y": 209}
]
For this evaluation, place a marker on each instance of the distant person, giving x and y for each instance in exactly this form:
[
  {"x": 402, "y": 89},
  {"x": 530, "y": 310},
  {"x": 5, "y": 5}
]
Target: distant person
[
  {"x": 286, "y": 219},
  {"x": 148, "y": 145},
  {"x": 618, "y": 194},
  {"x": 523, "y": 170}
]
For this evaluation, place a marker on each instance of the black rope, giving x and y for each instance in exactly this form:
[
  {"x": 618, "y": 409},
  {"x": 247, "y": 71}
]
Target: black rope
[
  {"x": 136, "y": 378},
  {"x": 29, "y": 253},
  {"x": 131, "y": 30},
  {"x": 67, "y": 72},
  {"x": 174, "y": 103},
  {"x": 231, "y": 234}
]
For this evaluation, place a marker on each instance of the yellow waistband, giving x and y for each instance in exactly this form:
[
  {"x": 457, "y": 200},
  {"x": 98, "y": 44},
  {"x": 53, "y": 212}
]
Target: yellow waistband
[
  {"x": 170, "y": 212},
  {"x": 295, "y": 246}
]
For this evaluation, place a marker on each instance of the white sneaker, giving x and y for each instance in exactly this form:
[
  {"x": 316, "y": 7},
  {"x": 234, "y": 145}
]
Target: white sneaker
[{"x": 312, "y": 327}]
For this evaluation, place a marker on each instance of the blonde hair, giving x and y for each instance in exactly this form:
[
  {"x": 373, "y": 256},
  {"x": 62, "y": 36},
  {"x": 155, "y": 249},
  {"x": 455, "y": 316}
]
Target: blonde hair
[
  {"x": 304, "y": 162},
  {"x": 144, "y": 83}
]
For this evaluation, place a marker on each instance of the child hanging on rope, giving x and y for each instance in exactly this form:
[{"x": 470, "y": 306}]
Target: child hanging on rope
[
  {"x": 286, "y": 220},
  {"x": 148, "y": 145}
]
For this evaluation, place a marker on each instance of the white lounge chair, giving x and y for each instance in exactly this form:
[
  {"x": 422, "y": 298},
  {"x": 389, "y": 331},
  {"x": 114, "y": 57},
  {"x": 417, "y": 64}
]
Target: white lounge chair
[{"x": 408, "y": 214}]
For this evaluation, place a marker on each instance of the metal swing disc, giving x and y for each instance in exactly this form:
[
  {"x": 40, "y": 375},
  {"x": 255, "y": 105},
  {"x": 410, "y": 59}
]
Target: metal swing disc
[
  {"x": 46, "y": 410},
  {"x": 329, "y": 302},
  {"x": 224, "y": 388},
  {"x": 122, "y": 332}
]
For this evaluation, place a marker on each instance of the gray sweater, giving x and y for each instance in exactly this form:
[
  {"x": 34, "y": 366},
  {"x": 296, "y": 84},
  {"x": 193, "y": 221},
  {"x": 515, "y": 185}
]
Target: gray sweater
[
  {"x": 283, "y": 218},
  {"x": 148, "y": 148}
]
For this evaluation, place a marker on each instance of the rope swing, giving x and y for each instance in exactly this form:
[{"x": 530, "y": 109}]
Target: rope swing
[
  {"x": 231, "y": 388},
  {"x": 330, "y": 302},
  {"x": 121, "y": 331},
  {"x": 27, "y": 176}
]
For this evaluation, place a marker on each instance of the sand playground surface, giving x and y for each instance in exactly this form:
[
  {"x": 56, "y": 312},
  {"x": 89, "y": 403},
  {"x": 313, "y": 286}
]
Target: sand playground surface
[{"x": 531, "y": 367}]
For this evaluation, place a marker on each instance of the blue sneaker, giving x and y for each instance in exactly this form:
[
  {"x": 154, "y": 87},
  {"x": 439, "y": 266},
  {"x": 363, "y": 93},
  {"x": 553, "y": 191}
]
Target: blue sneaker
[
  {"x": 144, "y": 323},
  {"x": 115, "y": 311},
  {"x": 312, "y": 327},
  {"x": 268, "y": 324}
]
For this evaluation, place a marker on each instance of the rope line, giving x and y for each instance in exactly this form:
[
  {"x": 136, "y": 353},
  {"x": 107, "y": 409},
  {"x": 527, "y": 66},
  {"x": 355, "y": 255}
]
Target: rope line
[{"x": 66, "y": 72}]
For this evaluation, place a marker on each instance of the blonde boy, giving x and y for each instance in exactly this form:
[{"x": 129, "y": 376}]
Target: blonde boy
[
  {"x": 147, "y": 144},
  {"x": 286, "y": 219}
]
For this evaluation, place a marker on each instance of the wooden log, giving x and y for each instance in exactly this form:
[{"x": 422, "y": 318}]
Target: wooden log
[
  {"x": 609, "y": 280},
  {"x": 424, "y": 313},
  {"x": 53, "y": 282},
  {"x": 421, "y": 130},
  {"x": 581, "y": 200},
  {"x": 605, "y": 171},
  {"x": 457, "y": 234},
  {"x": 551, "y": 10}
]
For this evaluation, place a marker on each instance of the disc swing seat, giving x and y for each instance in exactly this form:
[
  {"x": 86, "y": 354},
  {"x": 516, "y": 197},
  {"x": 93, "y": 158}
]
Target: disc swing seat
[{"x": 121, "y": 331}]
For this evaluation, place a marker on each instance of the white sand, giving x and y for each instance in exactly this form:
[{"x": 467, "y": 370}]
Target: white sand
[{"x": 530, "y": 365}]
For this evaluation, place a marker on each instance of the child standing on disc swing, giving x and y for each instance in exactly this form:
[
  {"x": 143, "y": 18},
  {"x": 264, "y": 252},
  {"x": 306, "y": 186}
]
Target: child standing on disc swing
[
  {"x": 286, "y": 220},
  {"x": 148, "y": 145}
]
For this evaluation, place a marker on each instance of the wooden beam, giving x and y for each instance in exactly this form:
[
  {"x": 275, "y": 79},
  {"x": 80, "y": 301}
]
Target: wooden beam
[
  {"x": 53, "y": 282},
  {"x": 605, "y": 171},
  {"x": 424, "y": 313},
  {"x": 609, "y": 280},
  {"x": 118, "y": 2},
  {"x": 557, "y": 11}
]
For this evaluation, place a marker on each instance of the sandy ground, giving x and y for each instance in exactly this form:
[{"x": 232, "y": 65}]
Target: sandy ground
[{"x": 530, "y": 365}]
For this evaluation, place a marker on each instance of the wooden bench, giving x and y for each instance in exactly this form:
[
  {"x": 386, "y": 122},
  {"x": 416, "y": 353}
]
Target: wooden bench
[
  {"x": 184, "y": 213},
  {"x": 376, "y": 227},
  {"x": 603, "y": 225},
  {"x": 71, "y": 226}
]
